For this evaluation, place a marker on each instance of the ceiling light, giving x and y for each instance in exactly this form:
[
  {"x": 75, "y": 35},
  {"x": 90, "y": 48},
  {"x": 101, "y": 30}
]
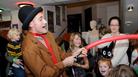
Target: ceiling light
[
  {"x": 21, "y": 4},
  {"x": 1, "y": 10}
]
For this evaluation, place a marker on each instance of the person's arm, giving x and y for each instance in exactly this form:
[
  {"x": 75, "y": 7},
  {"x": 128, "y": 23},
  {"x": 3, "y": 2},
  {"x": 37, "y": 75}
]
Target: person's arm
[
  {"x": 37, "y": 64},
  {"x": 85, "y": 65},
  {"x": 119, "y": 51},
  {"x": 80, "y": 53},
  {"x": 9, "y": 58},
  {"x": 64, "y": 54},
  {"x": 40, "y": 62},
  {"x": 10, "y": 55},
  {"x": 134, "y": 55},
  {"x": 104, "y": 44}
]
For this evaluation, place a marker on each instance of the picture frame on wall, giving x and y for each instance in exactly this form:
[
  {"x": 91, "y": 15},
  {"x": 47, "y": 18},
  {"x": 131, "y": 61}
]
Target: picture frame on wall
[
  {"x": 58, "y": 15},
  {"x": 50, "y": 21},
  {"x": 15, "y": 26}
]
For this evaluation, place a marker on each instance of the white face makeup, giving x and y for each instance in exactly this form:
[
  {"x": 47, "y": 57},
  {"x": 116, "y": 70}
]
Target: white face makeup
[{"x": 39, "y": 24}]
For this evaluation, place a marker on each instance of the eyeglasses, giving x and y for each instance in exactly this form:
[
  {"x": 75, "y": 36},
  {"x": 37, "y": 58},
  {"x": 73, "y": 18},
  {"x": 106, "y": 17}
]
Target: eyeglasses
[{"x": 114, "y": 25}]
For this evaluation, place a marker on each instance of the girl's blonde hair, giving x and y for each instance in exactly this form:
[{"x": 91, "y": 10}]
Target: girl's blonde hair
[
  {"x": 72, "y": 36},
  {"x": 105, "y": 60},
  {"x": 13, "y": 31}
]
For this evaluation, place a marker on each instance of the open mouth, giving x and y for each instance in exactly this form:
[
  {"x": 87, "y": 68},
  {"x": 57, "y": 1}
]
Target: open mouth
[
  {"x": 102, "y": 72},
  {"x": 44, "y": 27}
]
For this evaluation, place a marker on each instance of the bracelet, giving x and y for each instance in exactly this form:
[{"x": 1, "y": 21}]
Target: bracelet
[{"x": 79, "y": 65}]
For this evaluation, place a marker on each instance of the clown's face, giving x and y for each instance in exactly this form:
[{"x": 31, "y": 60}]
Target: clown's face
[
  {"x": 104, "y": 68},
  {"x": 39, "y": 24}
]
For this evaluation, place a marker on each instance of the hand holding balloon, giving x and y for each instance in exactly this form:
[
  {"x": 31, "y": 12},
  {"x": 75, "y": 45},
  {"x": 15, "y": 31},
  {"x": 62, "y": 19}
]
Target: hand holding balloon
[
  {"x": 132, "y": 36},
  {"x": 80, "y": 52}
]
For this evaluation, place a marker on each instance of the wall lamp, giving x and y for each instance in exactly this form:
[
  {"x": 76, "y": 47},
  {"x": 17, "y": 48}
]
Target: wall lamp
[
  {"x": 1, "y": 10},
  {"x": 27, "y": 3}
]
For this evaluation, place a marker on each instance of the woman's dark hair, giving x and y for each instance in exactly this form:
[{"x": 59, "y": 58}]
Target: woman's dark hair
[{"x": 116, "y": 18}]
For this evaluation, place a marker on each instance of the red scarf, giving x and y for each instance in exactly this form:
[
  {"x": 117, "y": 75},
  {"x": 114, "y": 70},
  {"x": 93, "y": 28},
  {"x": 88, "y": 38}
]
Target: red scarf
[{"x": 48, "y": 46}]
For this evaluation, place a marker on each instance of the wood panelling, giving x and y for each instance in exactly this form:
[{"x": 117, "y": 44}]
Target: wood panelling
[
  {"x": 88, "y": 3},
  {"x": 5, "y": 24}
]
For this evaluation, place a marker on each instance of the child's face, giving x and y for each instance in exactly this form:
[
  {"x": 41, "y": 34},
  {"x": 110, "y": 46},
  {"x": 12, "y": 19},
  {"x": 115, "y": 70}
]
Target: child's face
[
  {"x": 16, "y": 37},
  {"x": 104, "y": 68},
  {"x": 77, "y": 41}
]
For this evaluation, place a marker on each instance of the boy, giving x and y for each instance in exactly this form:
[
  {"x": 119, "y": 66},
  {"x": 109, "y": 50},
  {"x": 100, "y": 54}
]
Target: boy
[{"x": 14, "y": 54}]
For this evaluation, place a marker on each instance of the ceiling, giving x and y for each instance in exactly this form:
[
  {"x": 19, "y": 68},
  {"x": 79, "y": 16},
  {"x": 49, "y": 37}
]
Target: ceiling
[{"x": 9, "y": 5}]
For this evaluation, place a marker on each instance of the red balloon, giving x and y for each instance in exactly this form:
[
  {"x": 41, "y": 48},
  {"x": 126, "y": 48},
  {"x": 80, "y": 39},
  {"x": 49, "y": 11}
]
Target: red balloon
[{"x": 132, "y": 36}]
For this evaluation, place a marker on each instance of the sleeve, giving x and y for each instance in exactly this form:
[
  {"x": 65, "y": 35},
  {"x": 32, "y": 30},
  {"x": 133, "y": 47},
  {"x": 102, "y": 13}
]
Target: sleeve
[
  {"x": 104, "y": 44},
  {"x": 119, "y": 51},
  {"x": 9, "y": 54},
  {"x": 37, "y": 65},
  {"x": 9, "y": 58},
  {"x": 134, "y": 55},
  {"x": 65, "y": 54}
]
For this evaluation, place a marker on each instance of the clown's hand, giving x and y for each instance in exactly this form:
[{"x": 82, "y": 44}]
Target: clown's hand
[{"x": 69, "y": 61}]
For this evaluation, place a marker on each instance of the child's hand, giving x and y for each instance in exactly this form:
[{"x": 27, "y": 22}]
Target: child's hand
[
  {"x": 18, "y": 61},
  {"x": 80, "y": 52},
  {"x": 76, "y": 64}
]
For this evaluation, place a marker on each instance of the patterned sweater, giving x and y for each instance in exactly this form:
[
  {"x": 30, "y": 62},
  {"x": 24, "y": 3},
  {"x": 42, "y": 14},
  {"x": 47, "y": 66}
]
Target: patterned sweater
[{"x": 13, "y": 51}]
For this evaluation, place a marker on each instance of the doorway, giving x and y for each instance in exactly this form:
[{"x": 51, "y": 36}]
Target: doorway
[
  {"x": 74, "y": 23},
  {"x": 88, "y": 18}
]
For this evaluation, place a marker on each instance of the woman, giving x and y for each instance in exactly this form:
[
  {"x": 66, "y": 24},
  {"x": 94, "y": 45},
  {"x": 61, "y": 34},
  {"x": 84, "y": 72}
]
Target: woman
[{"x": 120, "y": 49}]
